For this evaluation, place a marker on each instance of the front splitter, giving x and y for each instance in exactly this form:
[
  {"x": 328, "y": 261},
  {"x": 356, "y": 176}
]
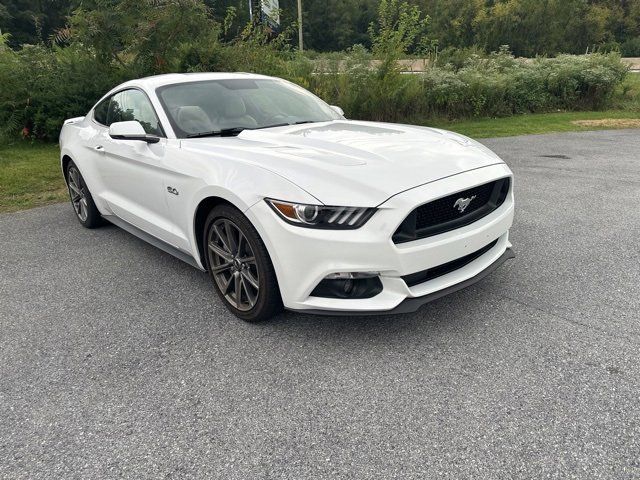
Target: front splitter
[{"x": 410, "y": 305}]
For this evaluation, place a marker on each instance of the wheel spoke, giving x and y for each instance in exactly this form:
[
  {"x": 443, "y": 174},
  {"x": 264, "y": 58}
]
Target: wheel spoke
[
  {"x": 248, "y": 276},
  {"x": 223, "y": 239},
  {"x": 250, "y": 298},
  {"x": 233, "y": 244},
  {"x": 233, "y": 264},
  {"x": 241, "y": 241},
  {"x": 220, "y": 251},
  {"x": 236, "y": 287},
  {"x": 75, "y": 189},
  {"x": 76, "y": 177},
  {"x": 83, "y": 208},
  {"x": 222, "y": 267},
  {"x": 77, "y": 194}
]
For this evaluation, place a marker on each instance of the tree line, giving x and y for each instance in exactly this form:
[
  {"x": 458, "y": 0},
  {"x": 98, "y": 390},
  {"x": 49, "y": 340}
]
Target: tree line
[
  {"x": 529, "y": 27},
  {"x": 105, "y": 42}
]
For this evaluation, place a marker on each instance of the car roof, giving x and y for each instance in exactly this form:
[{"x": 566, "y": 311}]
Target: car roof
[{"x": 155, "y": 81}]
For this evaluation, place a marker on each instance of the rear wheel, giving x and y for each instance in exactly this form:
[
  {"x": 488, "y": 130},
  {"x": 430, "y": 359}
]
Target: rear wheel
[
  {"x": 86, "y": 211},
  {"x": 240, "y": 266}
]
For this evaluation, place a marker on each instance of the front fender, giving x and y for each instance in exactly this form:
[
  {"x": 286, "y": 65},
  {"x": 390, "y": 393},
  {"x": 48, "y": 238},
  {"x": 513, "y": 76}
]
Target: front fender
[{"x": 246, "y": 186}]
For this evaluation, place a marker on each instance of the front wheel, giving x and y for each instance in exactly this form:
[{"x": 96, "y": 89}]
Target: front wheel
[{"x": 239, "y": 265}]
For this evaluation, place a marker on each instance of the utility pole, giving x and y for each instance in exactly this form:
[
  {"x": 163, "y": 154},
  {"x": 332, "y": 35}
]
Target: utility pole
[
  {"x": 300, "y": 25},
  {"x": 251, "y": 11}
]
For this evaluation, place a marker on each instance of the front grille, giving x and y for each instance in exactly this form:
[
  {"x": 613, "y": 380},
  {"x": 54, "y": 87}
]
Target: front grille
[
  {"x": 443, "y": 214},
  {"x": 434, "y": 272}
]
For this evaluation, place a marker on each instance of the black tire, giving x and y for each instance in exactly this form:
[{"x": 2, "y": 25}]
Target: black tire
[
  {"x": 251, "y": 304},
  {"x": 81, "y": 200}
]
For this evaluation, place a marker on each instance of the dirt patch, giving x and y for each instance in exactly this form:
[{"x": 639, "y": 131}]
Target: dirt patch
[{"x": 609, "y": 123}]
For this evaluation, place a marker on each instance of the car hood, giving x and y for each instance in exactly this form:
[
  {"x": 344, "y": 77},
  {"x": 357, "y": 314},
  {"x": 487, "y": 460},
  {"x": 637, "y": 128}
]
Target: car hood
[{"x": 355, "y": 163}]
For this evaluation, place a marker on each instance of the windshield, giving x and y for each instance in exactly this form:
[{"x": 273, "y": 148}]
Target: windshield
[{"x": 218, "y": 107}]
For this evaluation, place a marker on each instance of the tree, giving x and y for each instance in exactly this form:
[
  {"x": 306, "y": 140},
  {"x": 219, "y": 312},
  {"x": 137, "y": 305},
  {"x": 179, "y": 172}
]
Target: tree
[
  {"x": 401, "y": 27},
  {"x": 33, "y": 21},
  {"x": 150, "y": 36}
]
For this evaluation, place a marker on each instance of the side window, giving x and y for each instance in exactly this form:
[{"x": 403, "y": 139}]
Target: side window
[
  {"x": 100, "y": 112},
  {"x": 134, "y": 105}
]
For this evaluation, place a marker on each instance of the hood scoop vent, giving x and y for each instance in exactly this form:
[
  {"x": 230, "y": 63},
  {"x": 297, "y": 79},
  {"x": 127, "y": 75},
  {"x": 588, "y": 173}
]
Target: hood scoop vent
[
  {"x": 310, "y": 148},
  {"x": 345, "y": 129}
]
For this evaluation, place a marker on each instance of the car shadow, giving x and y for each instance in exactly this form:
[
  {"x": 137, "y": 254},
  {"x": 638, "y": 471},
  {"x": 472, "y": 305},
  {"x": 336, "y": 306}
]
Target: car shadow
[
  {"x": 454, "y": 312},
  {"x": 439, "y": 317}
]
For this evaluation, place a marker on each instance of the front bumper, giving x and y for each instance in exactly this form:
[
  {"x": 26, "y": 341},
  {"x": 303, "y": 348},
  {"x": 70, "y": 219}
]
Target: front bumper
[
  {"x": 302, "y": 257},
  {"x": 412, "y": 304}
]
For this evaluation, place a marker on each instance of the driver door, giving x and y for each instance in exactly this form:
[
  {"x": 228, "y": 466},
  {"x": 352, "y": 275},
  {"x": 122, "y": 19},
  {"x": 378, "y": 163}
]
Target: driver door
[{"x": 133, "y": 171}]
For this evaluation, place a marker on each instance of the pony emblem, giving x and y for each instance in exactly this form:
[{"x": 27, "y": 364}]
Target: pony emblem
[{"x": 462, "y": 203}]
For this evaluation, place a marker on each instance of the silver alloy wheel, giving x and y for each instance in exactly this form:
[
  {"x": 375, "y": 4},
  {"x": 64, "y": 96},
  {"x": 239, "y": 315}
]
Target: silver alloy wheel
[
  {"x": 233, "y": 264},
  {"x": 77, "y": 193}
]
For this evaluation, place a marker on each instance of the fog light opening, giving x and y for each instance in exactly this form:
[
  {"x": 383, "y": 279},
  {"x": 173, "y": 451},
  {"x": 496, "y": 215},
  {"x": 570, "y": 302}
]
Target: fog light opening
[{"x": 349, "y": 285}]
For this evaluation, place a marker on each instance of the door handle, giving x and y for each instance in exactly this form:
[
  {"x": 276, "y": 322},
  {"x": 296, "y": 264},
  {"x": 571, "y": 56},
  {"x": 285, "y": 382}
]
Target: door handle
[{"x": 99, "y": 148}]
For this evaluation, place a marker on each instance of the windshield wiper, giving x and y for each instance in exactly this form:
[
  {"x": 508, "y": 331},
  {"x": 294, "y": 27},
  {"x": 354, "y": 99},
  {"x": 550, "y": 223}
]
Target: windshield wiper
[
  {"x": 284, "y": 124},
  {"x": 224, "y": 132},
  {"x": 272, "y": 126},
  {"x": 230, "y": 132}
]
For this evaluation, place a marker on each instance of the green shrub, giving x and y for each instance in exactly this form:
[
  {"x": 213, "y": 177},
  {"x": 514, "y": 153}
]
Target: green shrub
[
  {"x": 480, "y": 85},
  {"x": 43, "y": 85},
  {"x": 456, "y": 58},
  {"x": 13, "y": 92},
  {"x": 631, "y": 48}
]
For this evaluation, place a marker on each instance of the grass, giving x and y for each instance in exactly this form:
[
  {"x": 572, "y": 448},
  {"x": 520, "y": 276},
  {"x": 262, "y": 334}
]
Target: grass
[
  {"x": 30, "y": 172},
  {"x": 625, "y": 105},
  {"x": 535, "y": 123},
  {"x": 29, "y": 176}
]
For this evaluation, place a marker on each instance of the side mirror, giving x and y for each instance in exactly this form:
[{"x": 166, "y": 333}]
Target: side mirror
[
  {"x": 131, "y": 130},
  {"x": 337, "y": 109}
]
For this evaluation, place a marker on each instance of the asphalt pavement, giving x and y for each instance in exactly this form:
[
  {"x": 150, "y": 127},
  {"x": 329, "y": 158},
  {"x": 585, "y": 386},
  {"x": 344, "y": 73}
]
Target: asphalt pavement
[{"x": 118, "y": 361}]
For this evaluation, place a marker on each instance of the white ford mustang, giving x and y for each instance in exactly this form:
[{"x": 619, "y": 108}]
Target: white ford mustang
[{"x": 285, "y": 202}]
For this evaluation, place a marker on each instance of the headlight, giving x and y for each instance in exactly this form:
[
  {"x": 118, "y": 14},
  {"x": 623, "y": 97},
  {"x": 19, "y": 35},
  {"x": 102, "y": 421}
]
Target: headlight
[{"x": 321, "y": 216}]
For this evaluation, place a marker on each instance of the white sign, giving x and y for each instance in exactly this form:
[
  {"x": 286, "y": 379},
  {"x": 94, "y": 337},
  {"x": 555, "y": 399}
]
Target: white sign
[{"x": 271, "y": 12}]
